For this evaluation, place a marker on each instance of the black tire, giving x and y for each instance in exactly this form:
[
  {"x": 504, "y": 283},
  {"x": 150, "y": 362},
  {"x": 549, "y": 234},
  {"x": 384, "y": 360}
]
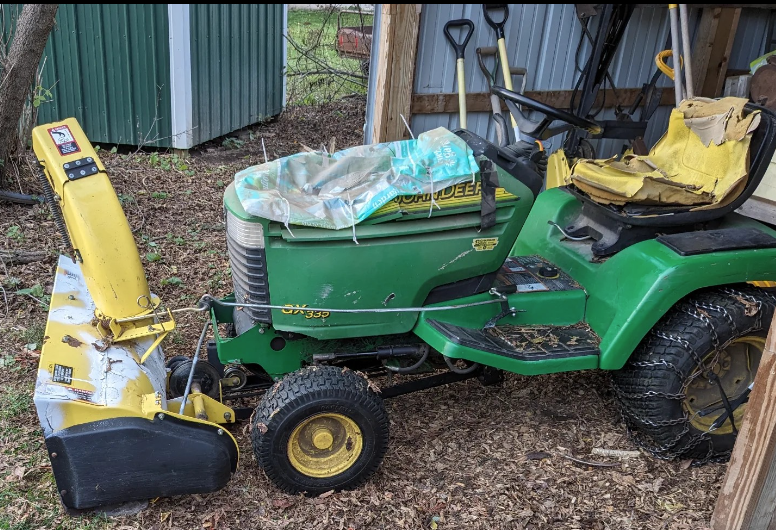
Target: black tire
[
  {"x": 173, "y": 362},
  {"x": 659, "y": 399},
  {"x": 299, "y": 398}
]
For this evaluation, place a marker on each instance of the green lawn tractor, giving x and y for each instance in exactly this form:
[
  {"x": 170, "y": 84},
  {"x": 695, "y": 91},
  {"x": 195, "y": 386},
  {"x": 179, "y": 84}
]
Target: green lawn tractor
[{"x": 497, "y": 277}]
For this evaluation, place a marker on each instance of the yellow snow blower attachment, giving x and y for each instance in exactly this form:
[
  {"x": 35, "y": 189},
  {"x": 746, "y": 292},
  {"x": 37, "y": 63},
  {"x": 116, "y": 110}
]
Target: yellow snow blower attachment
[{"x": 111, "y": 433}]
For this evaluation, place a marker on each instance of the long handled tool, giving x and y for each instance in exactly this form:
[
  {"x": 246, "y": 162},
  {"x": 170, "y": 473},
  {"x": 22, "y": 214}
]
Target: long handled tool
[
  {"x": 689, "y": 91},
  {"x": 498, "y": 27},
  {"x": 490, "y": 76},
  {"x": 680, "y": 42},
  {"x": 460, "y": 49},
  {"x": 673, "y": 13}
]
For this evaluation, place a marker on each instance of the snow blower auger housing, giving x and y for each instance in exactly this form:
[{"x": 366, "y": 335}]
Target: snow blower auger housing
[
  {"x": 481, "y": 277},
  {"x": 111, "y": 432}
]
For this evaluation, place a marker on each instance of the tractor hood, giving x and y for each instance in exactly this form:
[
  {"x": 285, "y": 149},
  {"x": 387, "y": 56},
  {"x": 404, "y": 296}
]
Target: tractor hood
[{"x": 339, "y": 190}]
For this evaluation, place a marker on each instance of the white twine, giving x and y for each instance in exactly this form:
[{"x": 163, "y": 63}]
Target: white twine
[
  {"x": 352, "y": 219},
  {"x": 407, "y": 125},
  {"x": 288, "y": 216},
  {"x": 433, "y": 202},
  {"x": 264, "y": 147}
]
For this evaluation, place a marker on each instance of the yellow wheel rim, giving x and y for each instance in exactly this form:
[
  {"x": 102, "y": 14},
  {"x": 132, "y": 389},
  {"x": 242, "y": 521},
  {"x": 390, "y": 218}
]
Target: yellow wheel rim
[
  {"x": 736, "y": 368},
  {"x": 325, "y": 445}
]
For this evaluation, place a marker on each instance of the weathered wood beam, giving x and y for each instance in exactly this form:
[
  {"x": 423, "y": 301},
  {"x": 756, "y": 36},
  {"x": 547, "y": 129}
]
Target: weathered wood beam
[
  {"x": 480, "y": 101},
  {"x": 398, "y": 44},
  {"x": 719, "y": 53},
  {"x": 748, "y": 495}
]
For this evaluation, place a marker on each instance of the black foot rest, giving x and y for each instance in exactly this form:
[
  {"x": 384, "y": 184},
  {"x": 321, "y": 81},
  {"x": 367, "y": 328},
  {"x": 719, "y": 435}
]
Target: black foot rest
[
  {"x": 525, "y": 343},
  {"x": 705, "y": 242}
]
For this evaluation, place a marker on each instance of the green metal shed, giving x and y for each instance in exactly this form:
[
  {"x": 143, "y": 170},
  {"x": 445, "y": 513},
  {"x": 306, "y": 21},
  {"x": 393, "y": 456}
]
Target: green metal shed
[{"x": 164, "y": 75}]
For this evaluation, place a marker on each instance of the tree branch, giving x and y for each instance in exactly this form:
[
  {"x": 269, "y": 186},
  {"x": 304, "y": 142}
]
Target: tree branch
[
  {"x": 339, "y": 73},
  {"x": 19, "y": 257}
]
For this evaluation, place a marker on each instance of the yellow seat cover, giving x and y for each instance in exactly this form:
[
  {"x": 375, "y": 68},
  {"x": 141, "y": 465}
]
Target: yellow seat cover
[{"x": 702, "y": 160}]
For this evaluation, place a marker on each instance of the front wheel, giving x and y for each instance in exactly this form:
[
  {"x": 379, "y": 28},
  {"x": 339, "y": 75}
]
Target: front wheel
[
  {"x": 695, "y": 367},
  {"x": 320, "y": 428}
]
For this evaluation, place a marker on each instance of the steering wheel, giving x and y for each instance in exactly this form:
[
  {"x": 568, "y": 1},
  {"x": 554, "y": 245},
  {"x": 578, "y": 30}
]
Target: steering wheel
[{"x": 549, "y": 125}]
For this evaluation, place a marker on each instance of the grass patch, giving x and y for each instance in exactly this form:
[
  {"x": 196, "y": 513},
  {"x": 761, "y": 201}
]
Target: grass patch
[
  {"x": 14, "y": 232},
  {"x": 34, "y": 333},
  {"x": 13, "y": 403},
  {"x": 316, "y": 32},
  {"x": 172, "y": 280}
]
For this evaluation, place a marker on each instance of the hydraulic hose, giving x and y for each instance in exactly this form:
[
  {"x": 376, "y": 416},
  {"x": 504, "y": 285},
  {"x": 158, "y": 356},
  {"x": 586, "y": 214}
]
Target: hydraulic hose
[
  {"x": 408, "y": 369},
  {"x": 460, "y": 371}
]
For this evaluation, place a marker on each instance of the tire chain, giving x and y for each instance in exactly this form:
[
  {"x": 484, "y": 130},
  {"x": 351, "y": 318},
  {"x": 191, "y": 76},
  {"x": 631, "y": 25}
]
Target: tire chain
[
  {"x": 674, "y": 449},
  {"x": 738, "y": 295}
]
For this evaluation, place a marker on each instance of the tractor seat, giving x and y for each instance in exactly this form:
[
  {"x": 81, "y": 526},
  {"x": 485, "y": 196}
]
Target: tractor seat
[{"x": 709, "y": 161}]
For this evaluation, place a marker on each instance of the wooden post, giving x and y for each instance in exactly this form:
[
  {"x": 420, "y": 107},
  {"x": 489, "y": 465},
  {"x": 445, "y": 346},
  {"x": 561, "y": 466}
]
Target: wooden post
[
  {"x": 747, "y": 499},
  {"x": 704, "y": 42},
  {"x": 398, "y": 44},
  {"x": 717, "y": 43}
]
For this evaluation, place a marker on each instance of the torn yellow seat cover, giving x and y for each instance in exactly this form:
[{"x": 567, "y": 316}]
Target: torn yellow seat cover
[{"x": 702, "y": 160}]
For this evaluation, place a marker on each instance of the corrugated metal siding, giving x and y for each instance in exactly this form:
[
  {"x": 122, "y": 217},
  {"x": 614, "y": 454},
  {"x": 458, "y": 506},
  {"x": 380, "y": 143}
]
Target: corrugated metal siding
[
  {"x": 544, "y": 39},
  {"x": 108, "y": 66},
  {"x": 236, "y": 66},
  {"x": 751, "y": 38},
  {"x": 541, "y": 38},
  {"x": 373, "y": 58}
]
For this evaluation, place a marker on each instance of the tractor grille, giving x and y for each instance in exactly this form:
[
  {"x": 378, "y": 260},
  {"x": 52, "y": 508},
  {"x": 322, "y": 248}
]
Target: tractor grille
[{"x": 245, "y": 242}]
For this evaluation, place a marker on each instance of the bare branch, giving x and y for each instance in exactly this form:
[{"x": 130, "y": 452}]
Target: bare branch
[{"x": 338, "y": 73}]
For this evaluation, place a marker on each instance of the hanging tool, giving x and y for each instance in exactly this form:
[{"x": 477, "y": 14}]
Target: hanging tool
[
  {"x": 498, "y": 27},
  {"x": 686, "y": 45},
  {"x": 495, "y": 103},
  {"x": 604, "y": 40},
  {"x": 676, "y": 54},
  {"x": 460, "y": 48},
  {"x": 662, "y": 65}
]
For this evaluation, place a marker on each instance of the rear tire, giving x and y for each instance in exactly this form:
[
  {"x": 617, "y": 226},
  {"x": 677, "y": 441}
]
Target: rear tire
[
  {"x": 320, "y": 428},
  {"x": 668, "y": 399}
]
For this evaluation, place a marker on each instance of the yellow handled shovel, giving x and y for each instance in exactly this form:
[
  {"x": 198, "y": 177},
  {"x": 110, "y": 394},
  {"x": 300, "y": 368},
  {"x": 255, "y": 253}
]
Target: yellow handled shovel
[
  {"x": 460, "y": 47},
  {"x": 498, "y": 26}
]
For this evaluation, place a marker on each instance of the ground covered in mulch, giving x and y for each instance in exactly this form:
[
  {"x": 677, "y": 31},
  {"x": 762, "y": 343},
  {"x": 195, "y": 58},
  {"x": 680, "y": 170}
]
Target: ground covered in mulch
[{"x": 462, "y": 456}]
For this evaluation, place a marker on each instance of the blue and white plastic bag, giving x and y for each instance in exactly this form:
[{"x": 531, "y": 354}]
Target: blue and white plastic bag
[{"x": 339, "y": 190}]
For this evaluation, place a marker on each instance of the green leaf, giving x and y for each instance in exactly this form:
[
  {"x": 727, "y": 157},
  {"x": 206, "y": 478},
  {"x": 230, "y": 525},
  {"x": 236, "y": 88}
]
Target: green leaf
[
  {"x": 172, "y": 280},
  {"x": 14, "y": 232},
  {"x": 153, "y": 256},
  {"x": 36, "y": 291}
]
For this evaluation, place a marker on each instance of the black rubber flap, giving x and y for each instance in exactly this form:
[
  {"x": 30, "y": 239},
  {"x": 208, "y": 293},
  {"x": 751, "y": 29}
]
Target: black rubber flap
[
  {"x": 128, "y": 459},
  {"x": 692, "y": 243}
]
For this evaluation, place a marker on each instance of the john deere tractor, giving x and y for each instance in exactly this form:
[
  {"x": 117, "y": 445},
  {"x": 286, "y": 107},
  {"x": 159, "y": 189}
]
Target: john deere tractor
[{"x": 639, "y": 266}]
